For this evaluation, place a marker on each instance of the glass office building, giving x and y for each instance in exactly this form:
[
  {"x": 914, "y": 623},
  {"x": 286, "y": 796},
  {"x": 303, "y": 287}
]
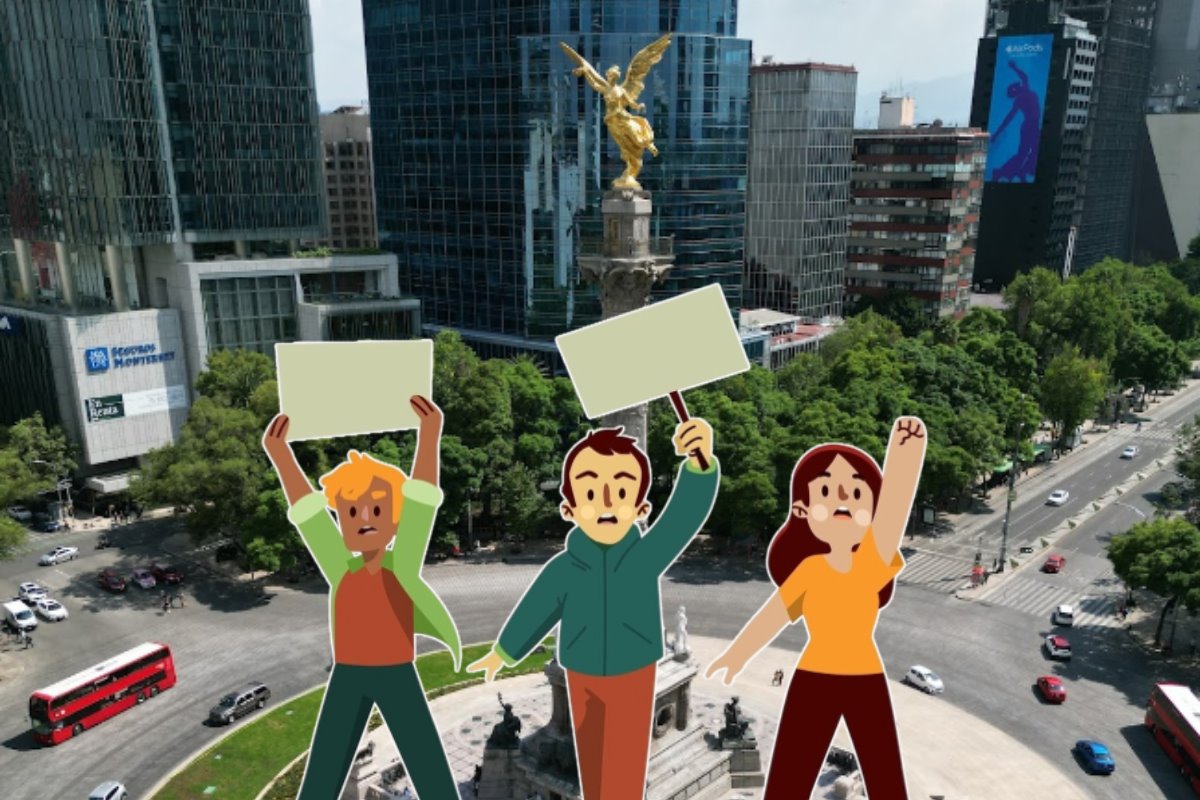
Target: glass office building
[{"x": 491, "y": 157}]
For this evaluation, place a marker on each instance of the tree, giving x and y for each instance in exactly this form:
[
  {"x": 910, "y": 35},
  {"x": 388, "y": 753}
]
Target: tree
[
  {"x": 902, "y": 308},
  {"x": 1163, "y": 556},
  {"x": 1070, "y": 390},
  {"x": 1150, "y": 357},
  {"x": 13, "y": 537},
  {"x": 44, "y": 452},
  {"x": 1024, "y": 295},
  {"x": 231, "y": 377}
]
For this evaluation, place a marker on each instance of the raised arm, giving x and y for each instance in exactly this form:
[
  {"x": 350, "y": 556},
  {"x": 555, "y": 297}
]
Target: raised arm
[
  {"x": 295, "y": 483},
  {"x": 1020, "y": 74},
  {"x": 426, "y": 465},
  {"x": 901, "y": 474},
  {"x": 691, "y": 499}
]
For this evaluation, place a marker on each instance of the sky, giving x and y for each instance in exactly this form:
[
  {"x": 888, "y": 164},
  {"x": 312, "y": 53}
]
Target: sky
[{"x": 927, "y": 47}]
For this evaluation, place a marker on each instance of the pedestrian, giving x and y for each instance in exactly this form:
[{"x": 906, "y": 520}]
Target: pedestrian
[
  {"x": 476, "y": 778},
  {"x": 26, "y": 638},
  {"x": 166, "y": 603}
]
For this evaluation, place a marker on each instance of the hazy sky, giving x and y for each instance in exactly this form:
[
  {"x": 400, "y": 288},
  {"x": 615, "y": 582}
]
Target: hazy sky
[{"x": 889, "y": 41}]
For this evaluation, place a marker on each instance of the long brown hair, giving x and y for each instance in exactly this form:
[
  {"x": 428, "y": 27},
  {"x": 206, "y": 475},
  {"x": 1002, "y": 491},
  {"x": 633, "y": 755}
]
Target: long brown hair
[{"x": 795, "y": 541}]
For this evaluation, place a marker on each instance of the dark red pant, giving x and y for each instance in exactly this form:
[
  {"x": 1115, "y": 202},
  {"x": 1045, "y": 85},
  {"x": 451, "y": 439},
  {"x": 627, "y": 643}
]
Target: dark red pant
[
  {"x": 611, "y": 716},
  {"x": 815, "y": 703}
]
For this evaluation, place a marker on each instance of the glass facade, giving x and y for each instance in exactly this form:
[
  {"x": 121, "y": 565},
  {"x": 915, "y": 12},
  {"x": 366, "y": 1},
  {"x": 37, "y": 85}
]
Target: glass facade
[
  {"x": 491, "y": 157},
  {"x": 251, "y": 313},
  {"x": 379, "y": 324},
  {"x": 26, "y": 371},
  {"x": 798, "y": 192},
  {"x": 127, "y": 121}
]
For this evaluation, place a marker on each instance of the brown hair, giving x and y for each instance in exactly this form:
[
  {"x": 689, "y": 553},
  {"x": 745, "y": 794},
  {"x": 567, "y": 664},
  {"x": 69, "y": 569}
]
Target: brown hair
[
  {"x": 606, "y": 442},
  {"x": 795, "y": 541}
]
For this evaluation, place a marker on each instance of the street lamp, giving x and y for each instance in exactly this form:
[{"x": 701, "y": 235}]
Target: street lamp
[{"x": 1012, "y": 492}]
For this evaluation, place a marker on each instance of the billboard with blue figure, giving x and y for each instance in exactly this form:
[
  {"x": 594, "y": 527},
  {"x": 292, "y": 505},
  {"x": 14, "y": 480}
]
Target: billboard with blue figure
[{"x": 1018, "y": 98}]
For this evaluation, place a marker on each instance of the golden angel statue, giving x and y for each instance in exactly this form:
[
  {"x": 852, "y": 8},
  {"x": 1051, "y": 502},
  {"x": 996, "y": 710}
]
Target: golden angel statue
[{"x": 632, "y": 134}]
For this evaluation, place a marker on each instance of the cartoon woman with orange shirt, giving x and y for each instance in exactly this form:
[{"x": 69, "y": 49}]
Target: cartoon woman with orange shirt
[{"x": 835, "y": 561}]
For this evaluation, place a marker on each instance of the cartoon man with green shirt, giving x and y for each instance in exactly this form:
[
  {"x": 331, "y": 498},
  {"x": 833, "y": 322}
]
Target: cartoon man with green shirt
[
  {"x": 378, "y": 602},
  {"x": 603, "y": 591}
]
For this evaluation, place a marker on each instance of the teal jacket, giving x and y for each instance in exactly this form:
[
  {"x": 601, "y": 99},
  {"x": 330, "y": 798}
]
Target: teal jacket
[
  {"x": 607, "y": 596},
  {"x": 404, "y": 560}
]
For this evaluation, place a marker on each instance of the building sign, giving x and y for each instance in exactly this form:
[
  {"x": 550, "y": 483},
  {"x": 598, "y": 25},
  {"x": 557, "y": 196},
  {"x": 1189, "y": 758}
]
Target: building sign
[
  {"x": 1018, "y": 99},
  {"x": 135, "y": 404},
  {"x": 99, "y": 359},
  {"x": 103, "y": 408},
  {"x": 9, "y": 325}
]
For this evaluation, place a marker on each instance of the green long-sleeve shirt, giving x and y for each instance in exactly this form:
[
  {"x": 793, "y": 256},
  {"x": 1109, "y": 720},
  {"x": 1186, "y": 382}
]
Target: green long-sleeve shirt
[
  {"x": 607, "y": 596},
  {"x": 320, "y": 533}
]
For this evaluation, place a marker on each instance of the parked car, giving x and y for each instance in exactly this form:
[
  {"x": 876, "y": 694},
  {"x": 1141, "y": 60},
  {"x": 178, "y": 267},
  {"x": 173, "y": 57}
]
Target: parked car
[
  {"x": 109, "y": 790},
  {"x": 1063, "y": 615},
  {"x": 166, "y": 574},
  {"x": 1058, "y": 497},
  {"x": 1095, "y": 756},
  {"x": 18, "y": 617},
  {"x": 50, "y": 609},
  {"x": 20, "y": 513},
  {"x": 30, "y": 592},
  {"x": 1129, "y": 452},
  {"x": 240, "y": 703},
  {"x": 46, "y": 523},
  {"x": 1054, "y": 563},
  {"x": 1051, "y": 689},
  {"x": 57, "y": 555},
  {"x": 924, "y": 679},
  {"x": 1058, "y": 648},
  {"x": 143, "y": 578},
  {"x": 111, "y": 581}
]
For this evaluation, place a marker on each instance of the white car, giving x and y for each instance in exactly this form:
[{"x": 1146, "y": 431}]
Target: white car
[
  {"x": 1063, "y": 615},
  {"x": 20, "y": 513},
  {"x": 59, "y": 554},
  {"x": 30, "y": 592},
  {"x": 48, "y": 608},
  {"x": 109, "y": 790},
  {"x": 924, "y": 679},
  {"x": 1058, "y": 497},
  {"x": 143, "y": 578},
  {"x": 1129, "y": 452}
]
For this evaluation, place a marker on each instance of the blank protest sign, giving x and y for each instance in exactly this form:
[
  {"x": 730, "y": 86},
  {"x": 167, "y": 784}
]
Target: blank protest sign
[
  {"x": 330, "y": 389},
  {"x": 677, "y": 344}
]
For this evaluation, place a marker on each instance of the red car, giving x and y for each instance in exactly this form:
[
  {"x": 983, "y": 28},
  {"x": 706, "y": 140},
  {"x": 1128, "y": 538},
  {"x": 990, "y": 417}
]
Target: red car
[
  {"x": 1054, "y": 563},
  {"x": 167, "y": 574},
  {"x": 111, "y": 581},
  {"x": 1051, "y": 689}
]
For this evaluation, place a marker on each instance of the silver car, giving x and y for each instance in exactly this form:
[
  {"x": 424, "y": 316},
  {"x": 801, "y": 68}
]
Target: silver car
[{"x": 58, "y": 555}]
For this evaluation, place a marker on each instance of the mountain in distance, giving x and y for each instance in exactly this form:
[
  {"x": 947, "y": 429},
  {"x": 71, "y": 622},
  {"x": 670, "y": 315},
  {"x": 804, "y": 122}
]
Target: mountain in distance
[{"x": 947, "y": 98}]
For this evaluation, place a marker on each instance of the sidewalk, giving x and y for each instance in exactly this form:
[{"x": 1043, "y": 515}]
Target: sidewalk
[{"x": 947, "y": 751}]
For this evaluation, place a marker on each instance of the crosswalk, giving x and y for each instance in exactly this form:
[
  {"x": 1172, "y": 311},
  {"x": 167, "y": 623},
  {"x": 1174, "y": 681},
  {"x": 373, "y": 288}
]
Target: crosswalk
[
  {"x": 935, "y": 572},
  {"x": 1093, "y": 609}
]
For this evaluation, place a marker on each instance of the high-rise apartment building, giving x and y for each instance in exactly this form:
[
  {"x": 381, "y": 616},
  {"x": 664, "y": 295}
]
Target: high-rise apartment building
[
  {"x": 1123, "y": 30},
  {"x": 155, "y": 159},
  {"x": 798, "y": 187},
  {"x": 914, "y": 216},
  {"x": 491, "y": 156},
  {"x": 346, "y": 137},
  {"x": 1033, "y": 92}
]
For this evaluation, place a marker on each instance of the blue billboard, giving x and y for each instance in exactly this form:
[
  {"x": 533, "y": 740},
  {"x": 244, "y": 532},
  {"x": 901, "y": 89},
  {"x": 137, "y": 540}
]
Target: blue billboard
[{"x": 1018, "y": 99}]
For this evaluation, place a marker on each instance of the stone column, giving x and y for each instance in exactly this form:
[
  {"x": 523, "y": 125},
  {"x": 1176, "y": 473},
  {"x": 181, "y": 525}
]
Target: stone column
[
  {"x": 115, "y": 267},
  {"x": 560, "y": 714},
  {"x": 25, "y": 270},
  {"x": 66, "y": 279},
  {"x": 629, "y": 264}
]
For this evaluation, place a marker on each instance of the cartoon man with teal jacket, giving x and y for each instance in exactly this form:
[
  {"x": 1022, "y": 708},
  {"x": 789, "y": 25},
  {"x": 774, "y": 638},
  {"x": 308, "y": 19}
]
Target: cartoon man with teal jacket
[
  {"x": 603, "y": 590},
  {"x": 378, "y": 602}
]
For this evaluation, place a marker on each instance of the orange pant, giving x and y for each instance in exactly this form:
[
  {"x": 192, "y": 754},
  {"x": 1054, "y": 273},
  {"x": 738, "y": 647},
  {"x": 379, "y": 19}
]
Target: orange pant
[{"x": 611, "y": 716}]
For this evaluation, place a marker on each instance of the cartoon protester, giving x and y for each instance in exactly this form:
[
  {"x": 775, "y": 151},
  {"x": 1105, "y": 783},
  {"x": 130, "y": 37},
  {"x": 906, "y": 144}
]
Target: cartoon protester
[
  {"x": 378, "y": 602},
  {"x": 835, "y": 560},
  {"x": 1022, "y": 167},
  {"x": 603, "y": 591}
]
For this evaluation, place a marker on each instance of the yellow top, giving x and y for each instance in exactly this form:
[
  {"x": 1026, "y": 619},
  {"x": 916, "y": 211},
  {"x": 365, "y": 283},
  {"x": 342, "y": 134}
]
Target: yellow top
[{"x": 840, "y": 609}]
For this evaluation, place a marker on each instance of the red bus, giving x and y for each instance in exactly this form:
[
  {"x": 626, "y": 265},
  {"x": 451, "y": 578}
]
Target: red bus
[
  {"x": 87, "y": 698},
  {"x": 1173, "y": 716}
]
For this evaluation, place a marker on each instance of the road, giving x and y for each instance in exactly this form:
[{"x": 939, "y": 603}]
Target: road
[{"x": 987, "y": 651}]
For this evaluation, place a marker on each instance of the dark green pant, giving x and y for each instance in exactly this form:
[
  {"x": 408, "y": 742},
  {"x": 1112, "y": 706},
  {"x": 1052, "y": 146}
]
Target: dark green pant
[{"x": 396, "y": 690}]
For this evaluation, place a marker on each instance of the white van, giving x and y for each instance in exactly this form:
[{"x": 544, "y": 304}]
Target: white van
[{"x": 18, "y": 615}]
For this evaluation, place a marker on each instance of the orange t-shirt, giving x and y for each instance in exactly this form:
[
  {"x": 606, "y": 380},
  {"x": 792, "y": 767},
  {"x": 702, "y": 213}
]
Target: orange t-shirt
[
  {"x": 373, "y": 620},
  {"x": 840, "y": 609}
]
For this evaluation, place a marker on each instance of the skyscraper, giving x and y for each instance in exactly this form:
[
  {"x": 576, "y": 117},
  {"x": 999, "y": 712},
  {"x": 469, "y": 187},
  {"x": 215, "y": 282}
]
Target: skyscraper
[
  {"x": 798, "y": 189},
  {"x": 491, "y": 157},
  {"x": 1040, "y": 77},
  {"x": 346, "y": 137},
  {"x": 1123, "y": 29}
]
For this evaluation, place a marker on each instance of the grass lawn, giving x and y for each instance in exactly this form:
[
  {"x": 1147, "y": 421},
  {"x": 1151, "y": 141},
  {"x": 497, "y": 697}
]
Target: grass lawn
[{"x": 242, "y": 764}]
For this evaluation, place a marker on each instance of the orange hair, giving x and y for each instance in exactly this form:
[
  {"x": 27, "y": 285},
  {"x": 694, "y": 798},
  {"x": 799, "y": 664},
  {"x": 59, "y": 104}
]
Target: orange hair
[{"x": 353, "y": 477}]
